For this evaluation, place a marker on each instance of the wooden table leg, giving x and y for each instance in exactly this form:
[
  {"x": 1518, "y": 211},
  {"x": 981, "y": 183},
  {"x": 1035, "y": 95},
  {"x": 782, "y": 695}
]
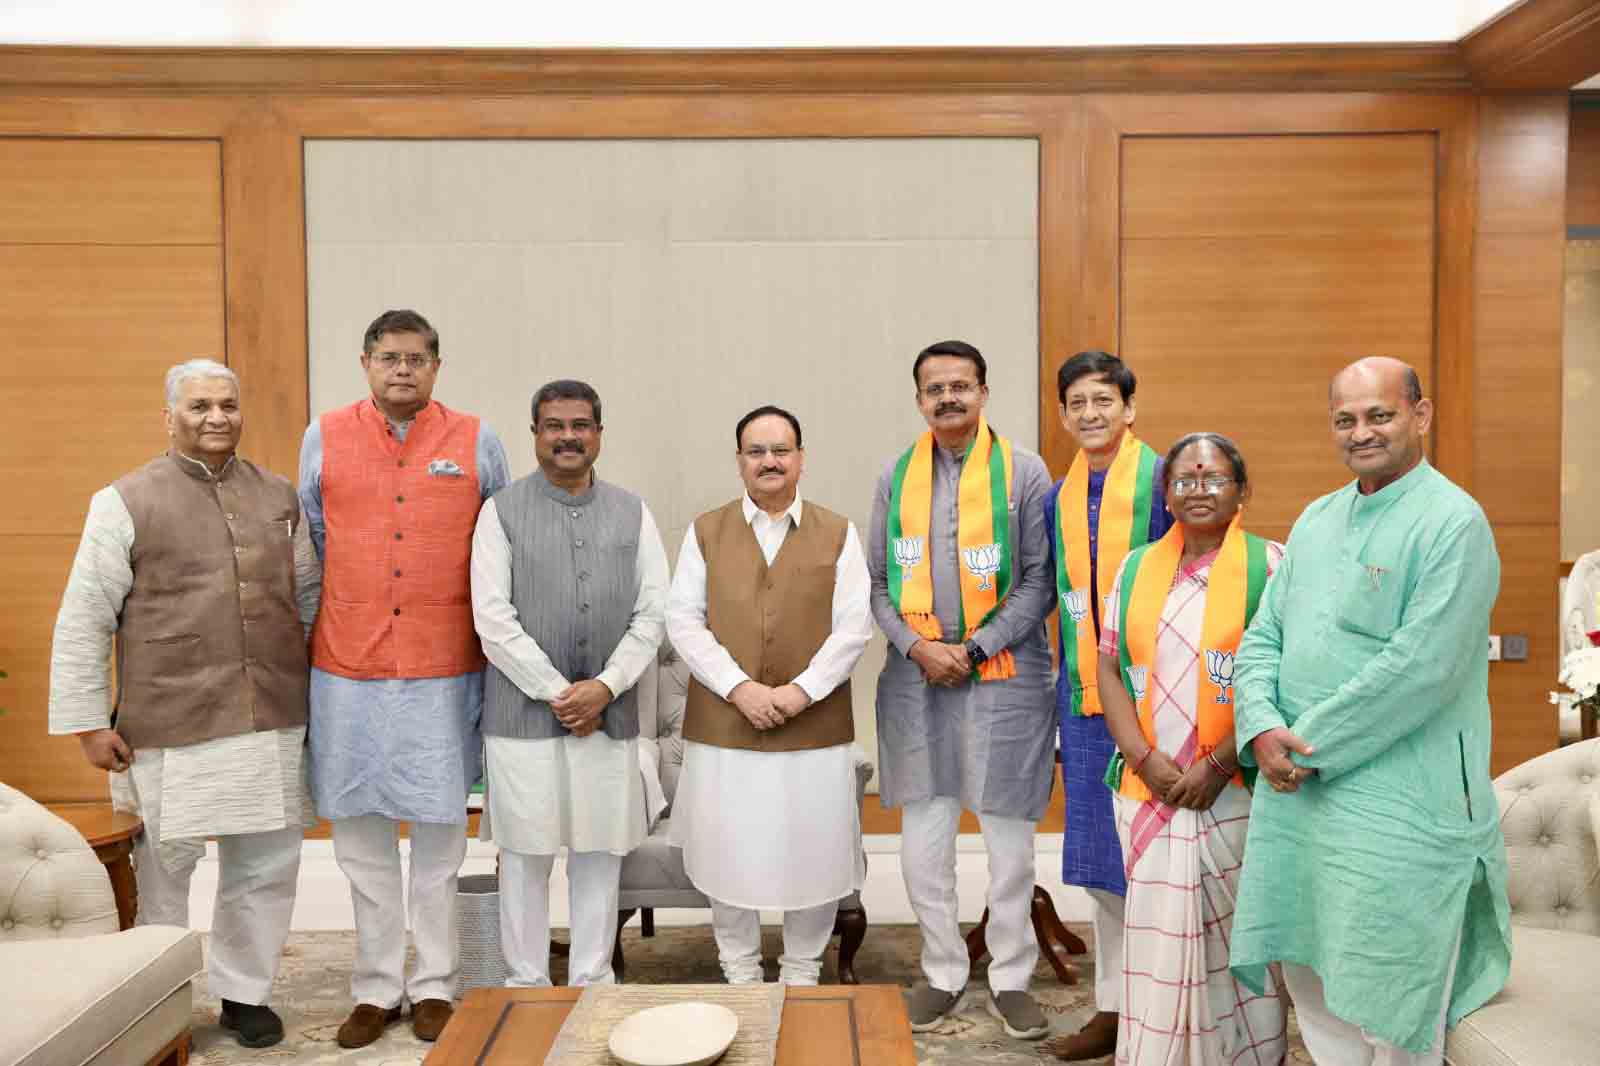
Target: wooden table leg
[{"x": 124, "y": 887}]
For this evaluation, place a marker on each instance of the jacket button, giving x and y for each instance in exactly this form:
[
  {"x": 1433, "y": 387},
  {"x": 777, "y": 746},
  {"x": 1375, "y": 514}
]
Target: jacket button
[
  {"x": 8, "y": 924},
  {"x": 1544, "y": 839},
  {"x": 583, "y": 642},
  {"x": 402, "y": 462},
  {"x": 56, "y": 923},
  {"x": 40, "y": 854},
  {"x": 397, "y": 610}
]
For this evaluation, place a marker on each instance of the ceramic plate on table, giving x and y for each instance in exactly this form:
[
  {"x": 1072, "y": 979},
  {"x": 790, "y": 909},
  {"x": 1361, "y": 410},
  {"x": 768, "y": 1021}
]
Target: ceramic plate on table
[{"x": 678, "y": 1034}]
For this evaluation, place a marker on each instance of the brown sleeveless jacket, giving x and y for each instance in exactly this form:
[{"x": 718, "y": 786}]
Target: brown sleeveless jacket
[
  {"x": 209, "y": 643},
  {"x": 772, "y": 620}
]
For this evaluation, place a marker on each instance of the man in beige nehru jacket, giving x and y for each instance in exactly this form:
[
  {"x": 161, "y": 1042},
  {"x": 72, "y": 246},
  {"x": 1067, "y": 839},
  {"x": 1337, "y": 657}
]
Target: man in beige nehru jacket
[
  {"x": 769, "y": 608},
  {"x": 199, "y": 569}
]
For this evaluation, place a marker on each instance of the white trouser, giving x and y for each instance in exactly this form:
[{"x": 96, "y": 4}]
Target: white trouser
[
  {"x": 250, "y": 919},
  {"x": 368, "y": 851},
  {"x": 928, "y": 861},
  {"x": 805, "y": 938},
  {"x": 1108, "y": 935},
  {"x": 1332, "y": 1041},
  {"x": 592, "y": 887}
]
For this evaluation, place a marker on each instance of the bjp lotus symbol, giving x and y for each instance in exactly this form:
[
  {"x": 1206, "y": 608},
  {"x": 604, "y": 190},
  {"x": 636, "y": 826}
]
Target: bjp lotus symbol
[
  {"x": 1076, "y": 603},
  {"x": 1219, "y": 666},
  {"x": 983, "y": 562},
  {"x": 908, "y": 552},
  {"x": 1138, "y": 676}
]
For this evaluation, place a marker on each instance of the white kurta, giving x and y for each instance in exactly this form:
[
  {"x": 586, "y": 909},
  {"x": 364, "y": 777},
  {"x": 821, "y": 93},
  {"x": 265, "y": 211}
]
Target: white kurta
[
  {"x": 249, "y": 783},
  {"x": 584, "y": 793},
  {"x": 770, "y": 830}
]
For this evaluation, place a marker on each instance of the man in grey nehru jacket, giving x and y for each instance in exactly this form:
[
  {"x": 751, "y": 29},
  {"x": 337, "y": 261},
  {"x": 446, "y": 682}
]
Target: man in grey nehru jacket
[{"x": 569, "y": 592}]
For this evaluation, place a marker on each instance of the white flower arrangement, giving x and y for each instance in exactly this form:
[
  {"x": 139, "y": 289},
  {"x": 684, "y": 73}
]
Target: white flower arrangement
[{"x": 1580, "y": 672}]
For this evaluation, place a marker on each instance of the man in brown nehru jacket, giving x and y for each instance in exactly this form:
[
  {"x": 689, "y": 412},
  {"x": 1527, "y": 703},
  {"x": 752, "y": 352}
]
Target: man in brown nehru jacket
[
  {"x": 769, "y": 608},
  {"x": 200, "y": 570}
]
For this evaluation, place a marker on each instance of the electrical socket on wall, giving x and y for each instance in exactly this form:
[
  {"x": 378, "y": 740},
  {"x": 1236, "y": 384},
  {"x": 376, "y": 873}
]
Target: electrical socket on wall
[
  {"x": 1494, "y": 647},
  {"x": 1514, "y": 647}
]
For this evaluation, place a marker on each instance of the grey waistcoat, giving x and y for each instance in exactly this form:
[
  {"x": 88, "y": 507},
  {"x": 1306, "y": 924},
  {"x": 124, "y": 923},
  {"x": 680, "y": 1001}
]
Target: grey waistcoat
[{"x": 574, "y": 587}]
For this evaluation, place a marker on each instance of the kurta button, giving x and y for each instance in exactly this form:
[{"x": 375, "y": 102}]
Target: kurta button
[
  {"x": 229, "y": 516},
  {"x": 7, "y": 924},
  {"x": 399, "y": 536},
  {"x": 397, "y": 610},
  {"x": 401, "y": 463},
  {"x": 237, "y": 549},
  {"x": 578, "y": 543},
  {"x": 582, "y": 641},
  {"x": 399, "y": 499},
  {"x": 1586, "y": 778},
  {"x": 574, "y": 514},
  {"x": 242, "y": 584},
  {"x": 56, "y": 923},
  {"x": 40, "y": 854},
  {"x": 397, "y": 573},
  {"x": 583, "y": 606},
  {"x": 1544, "y": 839}
]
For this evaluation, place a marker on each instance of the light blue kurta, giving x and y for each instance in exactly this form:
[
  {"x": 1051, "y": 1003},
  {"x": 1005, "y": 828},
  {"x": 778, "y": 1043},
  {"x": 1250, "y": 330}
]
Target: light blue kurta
[
  {"x": 1371, "y": 643},
  {"x": 406, "y": 749}
]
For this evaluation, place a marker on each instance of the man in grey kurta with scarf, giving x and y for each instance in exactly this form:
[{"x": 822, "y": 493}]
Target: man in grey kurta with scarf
[
  {"x": 965, "y": 715},
  {"x": 1375, "y": 870}
]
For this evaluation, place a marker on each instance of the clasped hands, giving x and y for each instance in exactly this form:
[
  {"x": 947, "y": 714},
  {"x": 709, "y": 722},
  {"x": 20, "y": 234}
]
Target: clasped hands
[
  {"x": 578, "y": 706},
  {"x": 766, "y": 707},
  {"x": 941, "y": 664},
  {"x": 1196, "y": 788}
]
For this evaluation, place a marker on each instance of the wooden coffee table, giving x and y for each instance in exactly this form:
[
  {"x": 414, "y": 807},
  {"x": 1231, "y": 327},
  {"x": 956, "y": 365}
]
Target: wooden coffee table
[
  {"x": 111, "y": 834},
  {"x": 833, "y": 1025}
]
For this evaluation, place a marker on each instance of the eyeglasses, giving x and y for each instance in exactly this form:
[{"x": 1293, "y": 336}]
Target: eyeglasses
[
  {"x": 956, "y": 389},
  {"x": 757, "y": 452},
  {"x": 414, "y": 360},
  {"x": 1211, "y": 486}
]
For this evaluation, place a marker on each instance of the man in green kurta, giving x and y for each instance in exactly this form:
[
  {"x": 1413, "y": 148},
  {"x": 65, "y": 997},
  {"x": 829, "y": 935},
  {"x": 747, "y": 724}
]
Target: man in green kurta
[{"x": 1375, "y": 870}]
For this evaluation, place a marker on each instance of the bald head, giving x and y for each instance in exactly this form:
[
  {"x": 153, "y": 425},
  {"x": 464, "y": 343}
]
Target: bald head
[
  {"x": 1380, "y": 419},
  {"x": 1386, "y": 371}
]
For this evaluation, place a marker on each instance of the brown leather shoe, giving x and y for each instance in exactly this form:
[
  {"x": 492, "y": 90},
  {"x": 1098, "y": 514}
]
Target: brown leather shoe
[
  {"x": 365, "y": 1024},
  {"x": 1097, "y": 1039},
  {"x": 429, "y": 1018}
]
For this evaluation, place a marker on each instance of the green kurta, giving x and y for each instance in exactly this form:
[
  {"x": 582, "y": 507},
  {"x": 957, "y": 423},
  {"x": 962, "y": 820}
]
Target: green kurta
[{"x": 1371, "y": 643}]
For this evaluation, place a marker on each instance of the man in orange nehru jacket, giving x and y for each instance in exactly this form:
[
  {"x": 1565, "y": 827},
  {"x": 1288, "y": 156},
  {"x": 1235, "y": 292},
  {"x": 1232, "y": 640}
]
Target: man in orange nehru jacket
[{"x": 391, "y": 487}]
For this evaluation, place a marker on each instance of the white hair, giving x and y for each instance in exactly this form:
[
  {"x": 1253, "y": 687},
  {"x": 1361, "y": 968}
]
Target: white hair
[{"x": 196, "y": 368}]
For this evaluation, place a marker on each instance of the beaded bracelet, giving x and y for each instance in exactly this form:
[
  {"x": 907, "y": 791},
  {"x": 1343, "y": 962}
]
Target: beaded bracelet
[{"x": 1221, "y": 771}]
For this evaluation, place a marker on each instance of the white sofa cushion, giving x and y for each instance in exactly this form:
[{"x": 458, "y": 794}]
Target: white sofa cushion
[
  {"x": 1545, "y": 1015},
  {"x": 78, "y": 996},
  {"x": 51, "y": 883}
]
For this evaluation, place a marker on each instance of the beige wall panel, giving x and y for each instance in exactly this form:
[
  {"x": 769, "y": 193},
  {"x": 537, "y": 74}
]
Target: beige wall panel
[
  {"x": 1580, "y": 463},
  {"x": 71, "y": 191},
  {"x": 688, "y": 282},
  {"x": 100, "y": 326},
  {"x": 33, "y": 571},
  {"x": 1303, "y": 186},
  {"x": 1242, "y": 337},
  {"x": 1517, "y": 472}
]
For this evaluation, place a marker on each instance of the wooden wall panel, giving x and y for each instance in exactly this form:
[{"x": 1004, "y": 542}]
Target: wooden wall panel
[
  {"x": 110, "y": 271},
  {"x": 70, "y": 191},
  {"x": 1583, "y": 163},
  {"x": 1237, "y": 319},
  {"x": 1517, "y": 306}
]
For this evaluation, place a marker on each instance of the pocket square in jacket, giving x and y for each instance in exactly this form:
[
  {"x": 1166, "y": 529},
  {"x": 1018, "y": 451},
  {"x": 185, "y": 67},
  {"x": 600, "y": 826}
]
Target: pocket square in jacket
[{"x": 444, "y": 468}]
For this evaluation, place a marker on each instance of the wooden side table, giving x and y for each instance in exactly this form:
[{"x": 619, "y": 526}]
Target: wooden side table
[{"x": 111, "y": 834}]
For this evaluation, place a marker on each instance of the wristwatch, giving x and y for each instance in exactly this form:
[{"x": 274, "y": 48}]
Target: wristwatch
[{"x": 976, "y": 654}]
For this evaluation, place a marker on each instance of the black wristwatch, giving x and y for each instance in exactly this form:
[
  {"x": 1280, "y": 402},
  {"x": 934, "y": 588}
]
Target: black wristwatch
[{"x": 976, "y": 653}]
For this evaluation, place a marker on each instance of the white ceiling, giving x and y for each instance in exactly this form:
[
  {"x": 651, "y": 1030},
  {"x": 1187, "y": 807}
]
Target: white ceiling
[{"x": 731, "y": 23}]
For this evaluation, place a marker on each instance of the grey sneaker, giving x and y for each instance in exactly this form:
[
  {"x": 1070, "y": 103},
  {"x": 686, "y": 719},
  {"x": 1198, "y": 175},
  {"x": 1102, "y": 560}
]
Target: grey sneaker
[
  {"x": 928, "y": 1006},
  {"x": 1018, "y": 1014}
]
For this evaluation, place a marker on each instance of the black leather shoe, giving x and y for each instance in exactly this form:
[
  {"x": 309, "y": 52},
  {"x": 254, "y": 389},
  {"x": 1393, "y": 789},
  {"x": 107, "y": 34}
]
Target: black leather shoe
[{"x": 254, "y": 1025}]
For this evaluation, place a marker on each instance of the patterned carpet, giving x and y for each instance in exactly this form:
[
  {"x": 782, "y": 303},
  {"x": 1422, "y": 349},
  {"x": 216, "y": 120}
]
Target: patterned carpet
[{"x": 313, "y": 996}]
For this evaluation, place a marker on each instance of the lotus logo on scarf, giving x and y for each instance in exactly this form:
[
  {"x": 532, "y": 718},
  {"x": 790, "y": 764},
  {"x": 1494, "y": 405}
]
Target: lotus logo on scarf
[
  {"x": 1137, "y": 676},
  {"x": 908, "y": 552},
  {"x": 1076, "y": 604},
  {"x": 1219, "y": 667},
  {"x": 983, "y": 562}
]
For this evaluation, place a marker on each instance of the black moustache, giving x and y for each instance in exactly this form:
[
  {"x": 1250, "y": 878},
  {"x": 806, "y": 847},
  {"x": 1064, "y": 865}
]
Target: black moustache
[
  {"x": 769, "y": 470},
  {"x": 572, "y": 446},
  {"x": 949, "y": 408}
]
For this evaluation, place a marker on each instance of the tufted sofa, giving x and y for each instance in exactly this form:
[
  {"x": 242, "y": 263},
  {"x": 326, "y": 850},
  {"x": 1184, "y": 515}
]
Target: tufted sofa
[
  {"x": 653, "y": 874},
  {"x": 1546, "y": 1015},
  {"x": 74, "y": 989}
]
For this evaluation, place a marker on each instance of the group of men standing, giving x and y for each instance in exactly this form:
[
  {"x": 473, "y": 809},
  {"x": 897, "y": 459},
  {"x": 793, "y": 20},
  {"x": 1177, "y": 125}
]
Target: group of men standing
[{"x": 439, "y": 621}]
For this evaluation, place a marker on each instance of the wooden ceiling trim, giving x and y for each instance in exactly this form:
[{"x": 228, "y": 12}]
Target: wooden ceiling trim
[
  {"x": 1435, "y": 67},
  {"x": 1536, "y": 44}
]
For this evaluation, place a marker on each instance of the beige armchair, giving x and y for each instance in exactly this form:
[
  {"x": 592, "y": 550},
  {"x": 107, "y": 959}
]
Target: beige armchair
[
  {"x": 652, "y": 874},
  {"x": 1546, "y": 1015},
  {"x": 76, "y": 990}
]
